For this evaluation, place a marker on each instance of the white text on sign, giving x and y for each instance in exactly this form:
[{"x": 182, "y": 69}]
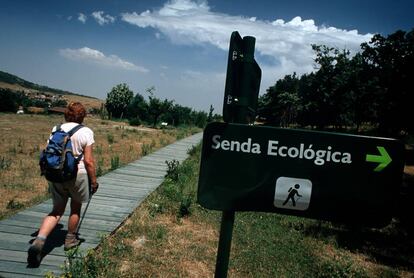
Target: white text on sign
[{"x": 303, "y": 151}]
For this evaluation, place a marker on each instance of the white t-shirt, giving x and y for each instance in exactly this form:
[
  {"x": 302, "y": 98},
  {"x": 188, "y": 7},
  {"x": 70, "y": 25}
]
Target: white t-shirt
[{"x": 82, "y": 138}]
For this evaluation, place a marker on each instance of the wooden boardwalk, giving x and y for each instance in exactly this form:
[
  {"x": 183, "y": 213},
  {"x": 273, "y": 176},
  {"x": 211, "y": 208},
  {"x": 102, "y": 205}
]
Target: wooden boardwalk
[{"x": 120, "y": 192}]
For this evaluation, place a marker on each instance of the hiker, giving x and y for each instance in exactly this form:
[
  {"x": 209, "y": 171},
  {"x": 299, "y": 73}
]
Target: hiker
[
  {"x": 78, "y": 189},
  {"x": 292, "y": 193}
]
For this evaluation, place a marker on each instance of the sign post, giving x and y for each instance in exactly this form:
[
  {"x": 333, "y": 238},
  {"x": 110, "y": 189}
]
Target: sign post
[
  {"x": 240, "y": 104},
  {"x": 330, "y": 176}
]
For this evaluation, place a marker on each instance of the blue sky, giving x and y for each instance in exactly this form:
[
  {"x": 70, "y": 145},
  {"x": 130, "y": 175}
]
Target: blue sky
[{"x": 178, "y": 46}]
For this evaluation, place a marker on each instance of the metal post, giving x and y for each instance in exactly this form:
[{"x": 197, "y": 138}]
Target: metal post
[
  {"x": 223, "y": 253},
  {"x": 241, "y": 91}
]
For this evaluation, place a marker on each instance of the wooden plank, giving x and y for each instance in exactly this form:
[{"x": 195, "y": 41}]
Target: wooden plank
[
  {"x": 85, "y": 233},
  {"x": 21, "y": 256},
  {"x": 47, "y": 208},
  {"x": 128, "y": 189},
  {"x": 137, "y": 173},
  {"x": 117, "y": 192},
  {"x": 144, "y": 166},
  {"x": 121, "y": 178},
  {"x": 39, "y": 218},
  {"x": 21, "y": 268},
  {"x": 57, "y": 250},
  {"x": 130, "y": 183},
  {"x": 17, "y": 275},
  {"x": 96, "y": 227}
]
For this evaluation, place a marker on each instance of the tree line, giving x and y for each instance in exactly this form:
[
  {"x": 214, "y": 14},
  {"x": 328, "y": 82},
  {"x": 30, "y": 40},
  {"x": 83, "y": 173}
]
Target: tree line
[
  {"x": 121, "y": 102},
  {"x": 372, "y": 88},
  {"x": 11, "y": 100}
]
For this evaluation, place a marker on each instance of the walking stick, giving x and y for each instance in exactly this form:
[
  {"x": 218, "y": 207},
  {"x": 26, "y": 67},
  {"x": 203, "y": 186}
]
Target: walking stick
[{"x": 87, "y": 205}]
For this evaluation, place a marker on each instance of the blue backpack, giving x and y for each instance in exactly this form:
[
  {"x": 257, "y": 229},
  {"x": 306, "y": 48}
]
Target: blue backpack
[{"x": 57, "y": 161}]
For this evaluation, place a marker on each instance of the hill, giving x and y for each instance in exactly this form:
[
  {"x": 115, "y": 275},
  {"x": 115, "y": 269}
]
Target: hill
[{"x": 17, "y": 84}]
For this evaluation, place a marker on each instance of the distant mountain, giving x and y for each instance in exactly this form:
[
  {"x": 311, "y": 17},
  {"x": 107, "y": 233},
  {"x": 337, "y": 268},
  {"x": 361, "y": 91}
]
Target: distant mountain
[
  {"x": 16, "y": 84},
  {"x": 13, "y": 79}
]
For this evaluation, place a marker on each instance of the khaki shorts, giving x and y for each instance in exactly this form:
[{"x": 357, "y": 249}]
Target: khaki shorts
[{"x": 77, "y": 190}]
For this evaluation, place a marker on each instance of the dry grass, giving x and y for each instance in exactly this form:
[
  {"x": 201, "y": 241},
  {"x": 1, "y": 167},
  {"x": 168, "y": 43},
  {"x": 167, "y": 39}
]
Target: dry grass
[
  {"x": 88, "y": 102},
  {"x": 163, "y": 246},
  {"x": 23, "y": 136}
]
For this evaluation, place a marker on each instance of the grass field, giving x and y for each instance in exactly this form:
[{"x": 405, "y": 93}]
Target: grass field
[
  {"x": 169, "y": 235},
  {"x": 23, "y": 136}
]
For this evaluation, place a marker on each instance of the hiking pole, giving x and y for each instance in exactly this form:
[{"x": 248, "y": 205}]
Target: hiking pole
[{"x": 86, "y": 208}]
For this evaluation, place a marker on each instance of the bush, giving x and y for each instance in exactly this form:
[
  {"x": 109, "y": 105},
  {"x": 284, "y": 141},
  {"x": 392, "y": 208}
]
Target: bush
[
  {"x": 135, "y": 121},
  {"x": 110, "y": 138},
  {"x": 185, "y": 204},
  {"x": 114, "y": 162},
  {"x": 146, "y": 149},
  {"x": 4, "y": 163},
  {"x": 172, "y": 171},
  {"x": 12, "y": 204}
]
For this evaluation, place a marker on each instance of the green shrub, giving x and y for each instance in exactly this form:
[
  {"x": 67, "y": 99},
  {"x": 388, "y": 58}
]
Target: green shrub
[
  {"x": 146, "y": 149},
  {"x": 340, "y": 266},
  {"x": 99, "y": 149},
  {"x": 99, "y": 170},
  {"x": 114, "y": 162},
  {"x": 172, "y": 169},
  {"x": 4, "y": 163},
  {"x": 185, "y": 204},
  {"x": 194, "y": 149},
  {"x": 92, "y": 265},
  {"x": 110, "y": 138},
  {"x": 12, "y": 204},
  {"x": 135, "y": 121}
]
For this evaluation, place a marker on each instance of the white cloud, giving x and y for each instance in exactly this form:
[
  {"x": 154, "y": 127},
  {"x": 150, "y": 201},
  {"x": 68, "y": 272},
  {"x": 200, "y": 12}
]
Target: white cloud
[
  {"x": 95, "y": 56},
  {"x": 287, "y": 43},
  {"x": 103, "y": 18},
  {"x": 82, "y": 17},
  {"x": 69, "y": 18}
]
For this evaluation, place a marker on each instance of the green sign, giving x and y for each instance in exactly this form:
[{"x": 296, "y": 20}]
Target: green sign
[{"x": 330, "y": 176}]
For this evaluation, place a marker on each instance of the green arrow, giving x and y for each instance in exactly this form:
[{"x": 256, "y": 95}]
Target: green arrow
[{"x": 384, "y": 159}]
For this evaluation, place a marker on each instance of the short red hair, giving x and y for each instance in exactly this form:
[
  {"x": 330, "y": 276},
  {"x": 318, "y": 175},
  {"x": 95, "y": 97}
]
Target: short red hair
[{"x": 75, "y": 112}]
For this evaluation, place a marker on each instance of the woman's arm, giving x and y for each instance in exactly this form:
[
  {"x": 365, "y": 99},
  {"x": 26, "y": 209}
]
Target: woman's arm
[{"x": 89, "y": 162}]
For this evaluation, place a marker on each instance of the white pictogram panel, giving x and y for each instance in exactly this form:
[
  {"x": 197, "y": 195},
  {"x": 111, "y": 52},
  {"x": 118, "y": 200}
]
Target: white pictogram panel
[{"x": 292, "y": 193}]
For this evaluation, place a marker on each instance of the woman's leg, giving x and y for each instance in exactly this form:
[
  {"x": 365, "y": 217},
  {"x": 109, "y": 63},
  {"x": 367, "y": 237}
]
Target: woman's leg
[
  {"x": 50, "y": 221},
  {"x": 71, "y": 239},
  {"x": 75, "y": 210}
]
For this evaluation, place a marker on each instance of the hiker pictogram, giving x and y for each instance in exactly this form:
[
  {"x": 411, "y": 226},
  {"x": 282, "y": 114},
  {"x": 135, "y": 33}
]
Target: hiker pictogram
[{"x": 292, "y": 193}]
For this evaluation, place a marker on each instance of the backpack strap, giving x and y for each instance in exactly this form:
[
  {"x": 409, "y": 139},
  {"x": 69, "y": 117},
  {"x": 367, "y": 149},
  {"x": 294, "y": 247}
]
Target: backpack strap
[{"x": 73, "y": 130}]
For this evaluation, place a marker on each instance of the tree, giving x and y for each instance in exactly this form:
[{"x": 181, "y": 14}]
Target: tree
[
  {"x": 199, "y": 118},
  {"x": 279, "y": 106},
  {"x": 178, "y": 115},
  {"x": 157, "y": 107},
  {"x": 391, "y": 60},
  {"x": 118, "y": 99},
  {"x": 11, "y": 100},
  {"x": 138, "y": 108},
  {"x": 210, "y": 114}
]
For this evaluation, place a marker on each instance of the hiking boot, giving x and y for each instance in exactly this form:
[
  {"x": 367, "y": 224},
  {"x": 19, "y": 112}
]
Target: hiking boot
[
  {"x": 35, "y": 252},
  {"x": 71, "y": 241}
]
